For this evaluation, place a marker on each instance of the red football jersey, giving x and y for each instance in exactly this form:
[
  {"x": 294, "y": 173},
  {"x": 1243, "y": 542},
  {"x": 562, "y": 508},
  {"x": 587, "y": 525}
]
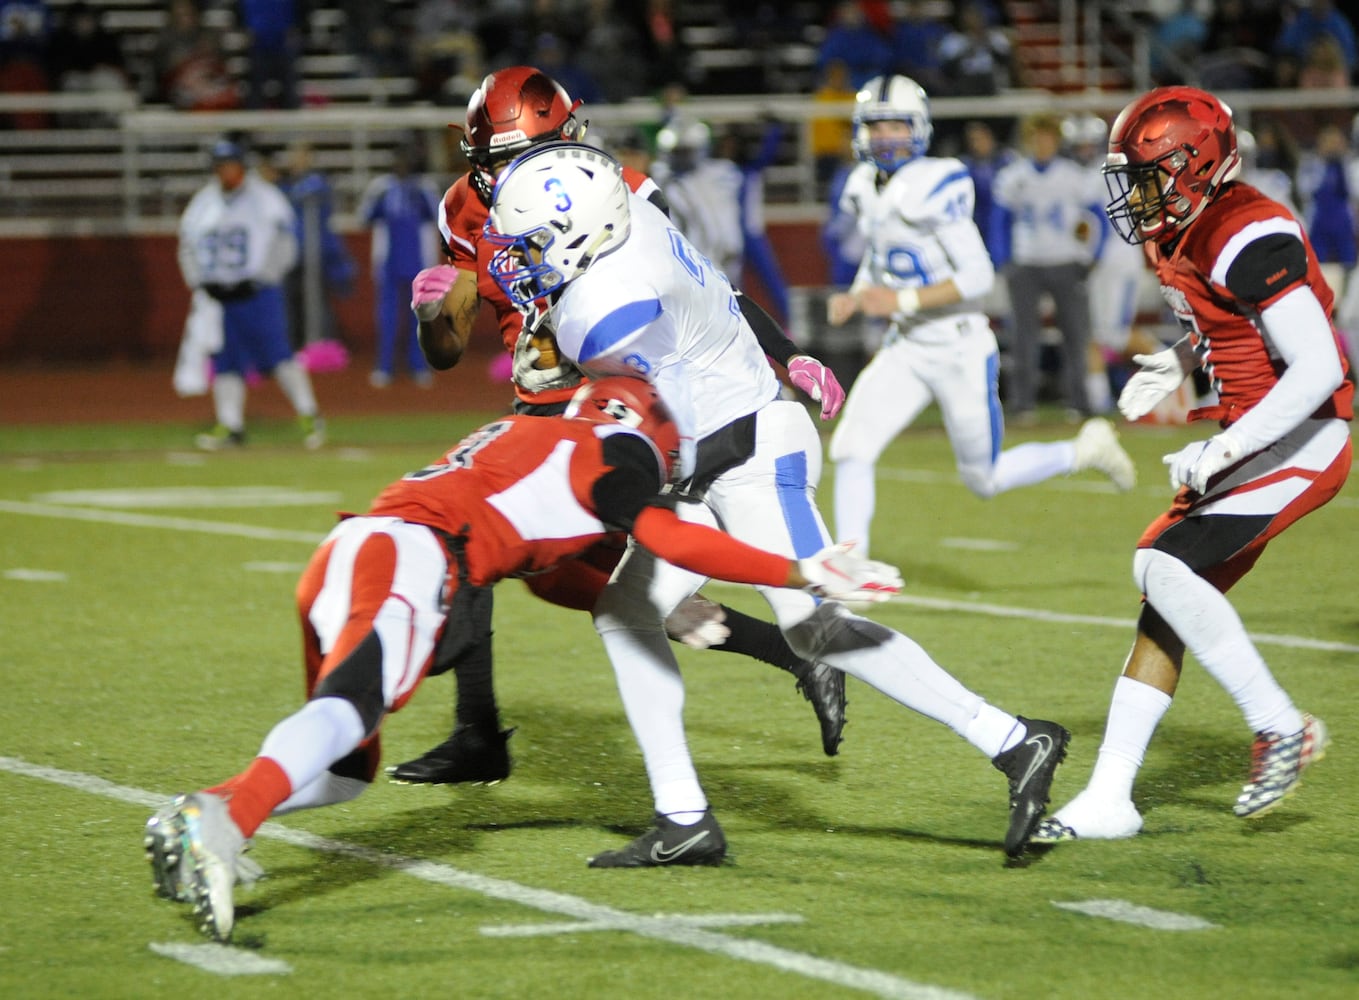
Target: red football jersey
[
  {"x": 461, "y": 218},
  {"x": 1226, "y": 247},
  {"x": 522, "y": 491}
]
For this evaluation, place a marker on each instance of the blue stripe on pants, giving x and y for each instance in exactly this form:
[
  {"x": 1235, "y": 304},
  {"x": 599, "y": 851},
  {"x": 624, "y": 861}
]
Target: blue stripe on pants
[{"x": 790, "y": 479}]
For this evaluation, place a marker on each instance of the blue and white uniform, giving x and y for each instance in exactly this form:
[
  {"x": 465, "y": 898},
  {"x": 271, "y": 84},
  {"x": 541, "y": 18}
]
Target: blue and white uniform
[{"x": 655, "y": 307}]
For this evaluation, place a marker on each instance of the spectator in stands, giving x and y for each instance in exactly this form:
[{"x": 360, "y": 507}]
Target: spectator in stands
[
  {"x": 191, "y": 68},
  {"x": 447, "y": 52},
  {"x": 1237, "y": 40},
  {"x": 1313, "y": 20},
  {"x": 612, "y": 47},
  {"x": 25, "y": 30},
  {"x": 274, "y": 29},
  {"x": 915, "y": 46},
  {"x": 402, "y": 209},
  {"x": 830, "y": 136},
  {"x": 666, "y": 55},
  {"x": 852, "y": 40},
  {"x": 553, "y": 57},
  {"x": 1272, "y": 180},
  {"x": 975, "y": 58},
  {"x": 1176, "y": 42},
  {"x": 85, "y": 56},
  {"x": 374, "y": 37}
]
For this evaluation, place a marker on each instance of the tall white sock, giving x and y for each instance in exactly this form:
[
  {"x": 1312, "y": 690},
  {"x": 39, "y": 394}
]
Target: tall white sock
[
  {"x": 307, "y": 742},
  {"x": 228, "y": 400},
  {"x": 1210, "y": 628},
  {"x": 296, "y": 385},
  {"x": 1135, "y": 711},
  {"x": 652, "y": 690},
  {"x": 1026, "y": 464},
  {"x": 854, "y": 502}
]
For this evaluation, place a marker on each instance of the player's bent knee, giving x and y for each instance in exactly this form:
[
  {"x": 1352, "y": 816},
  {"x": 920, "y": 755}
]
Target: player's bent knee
[
  {"x": 1154, "y": 570},
  {"x": 831, "y": 629},
  {"x": 982, "y": 482},
  {"x": 358, "y": 680}
]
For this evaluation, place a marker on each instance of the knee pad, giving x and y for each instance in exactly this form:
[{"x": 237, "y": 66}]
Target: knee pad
[
  {"x": 1154, "y": 571},
  {"x": 832, "y": 629}
]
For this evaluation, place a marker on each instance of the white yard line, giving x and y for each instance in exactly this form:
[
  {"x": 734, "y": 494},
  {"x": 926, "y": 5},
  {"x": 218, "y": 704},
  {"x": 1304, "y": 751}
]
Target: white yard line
[
  {"x": 1142, "y": 916},
  {"x": 664, "y": 928},
  {"x": 222, "y": 960},
  {"x": 128, "y": 519}
]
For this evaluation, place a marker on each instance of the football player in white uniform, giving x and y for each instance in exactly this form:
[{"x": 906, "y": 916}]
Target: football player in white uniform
[
  {"x": 927, "y": 268},
  {"x": 626, "y": 293}
]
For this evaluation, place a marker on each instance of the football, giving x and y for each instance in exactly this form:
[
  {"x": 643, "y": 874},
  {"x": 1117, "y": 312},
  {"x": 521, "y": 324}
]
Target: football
[{"x": 546, "y": 345}]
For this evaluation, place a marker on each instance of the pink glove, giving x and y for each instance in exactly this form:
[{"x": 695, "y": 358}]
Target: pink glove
[
  {"x": 817, "y": 381},
  {"x": 429, "y": 288}
]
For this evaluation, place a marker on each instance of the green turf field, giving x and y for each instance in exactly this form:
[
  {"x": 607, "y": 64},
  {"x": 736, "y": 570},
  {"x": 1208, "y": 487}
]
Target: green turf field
[{"x": 149, "y": 645}]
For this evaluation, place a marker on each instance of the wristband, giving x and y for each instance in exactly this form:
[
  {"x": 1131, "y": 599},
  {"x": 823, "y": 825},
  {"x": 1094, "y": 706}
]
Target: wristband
[{"x": 908, "y": 301}]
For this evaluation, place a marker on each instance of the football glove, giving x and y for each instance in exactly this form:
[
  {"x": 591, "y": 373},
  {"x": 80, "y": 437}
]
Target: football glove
[
  {"x": 838, "y": 574},
  {"x": 1195, "y": 464},
  {"x": 535, "y": 338},
  {"x": 818, "y": 382},
  {"x": 1160, "y": 375},
  {"x": 697, "y": 623},
  {"x": 429, "y": 289}
]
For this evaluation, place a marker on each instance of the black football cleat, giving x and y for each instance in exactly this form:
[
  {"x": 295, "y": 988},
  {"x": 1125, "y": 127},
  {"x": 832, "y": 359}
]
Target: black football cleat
[
  {"x": 469, "y": 756},
  {"x": 824, "y": 687},
  {"x": 1030, "y": 765},
  {"x": 668, "y": 843}
]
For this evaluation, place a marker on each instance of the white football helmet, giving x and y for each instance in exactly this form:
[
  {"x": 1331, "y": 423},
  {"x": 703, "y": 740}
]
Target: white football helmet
[
  {"x": 684, "y": 144},
  {"x": 555, "y": 210},
  {"x": 891, "y": 99}
]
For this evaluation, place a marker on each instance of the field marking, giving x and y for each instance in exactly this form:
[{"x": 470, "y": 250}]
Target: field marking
[
  {"x": 979, "y": 544},
  {"x": 222, "y": 960},
  {"x": 129, "y": 519},
  {"x": 35, "y": 575},
  {"x": 679, "y": 919},
  {"x": 1143, "y": 916},
  {"x": 664, "y": 929},
  {"x": 157, "y": 497}
]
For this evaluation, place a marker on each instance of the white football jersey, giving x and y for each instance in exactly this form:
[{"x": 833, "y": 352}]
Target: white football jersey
[
  {"x": 244, "y": 235},
  {"x": 657, "y": 308},
  {"x": 705, "y": 203},
  {"x": 1047, "y": 206},
  {"x": 919, "y": 231}
]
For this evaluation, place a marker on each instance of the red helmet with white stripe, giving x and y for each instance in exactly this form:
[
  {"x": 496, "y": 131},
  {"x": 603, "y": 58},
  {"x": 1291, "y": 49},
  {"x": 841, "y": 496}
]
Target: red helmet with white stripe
[
  {"x": 632, "y": 402},
  {"x": 514, "y": 109},
  {"x": 1170, "y": 153}
]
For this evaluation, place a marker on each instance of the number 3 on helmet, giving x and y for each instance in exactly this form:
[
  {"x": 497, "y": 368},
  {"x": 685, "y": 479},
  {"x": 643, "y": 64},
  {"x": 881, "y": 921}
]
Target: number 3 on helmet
[
  {"x": 1170, "y": 153},
  {"x": 632, "y": 402},
  {"x": 555, "y": 211}
]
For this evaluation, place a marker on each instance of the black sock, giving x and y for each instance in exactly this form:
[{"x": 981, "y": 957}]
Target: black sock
[
  {"x": 760, "y": 640},
  {"x": 475, "y": 705}
]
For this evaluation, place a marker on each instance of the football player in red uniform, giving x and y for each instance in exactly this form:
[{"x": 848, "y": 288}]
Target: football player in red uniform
[
  {"x": 1240, "y": 275},
  {"x": 514, "y": 109},
  {"x": 388, "y": 596}
]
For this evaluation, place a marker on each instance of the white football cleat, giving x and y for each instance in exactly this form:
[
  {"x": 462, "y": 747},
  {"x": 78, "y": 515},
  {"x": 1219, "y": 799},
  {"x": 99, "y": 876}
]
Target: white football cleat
[
  {"x": 1097, "y": 448},
  {"x": 1090, "y": 817}
]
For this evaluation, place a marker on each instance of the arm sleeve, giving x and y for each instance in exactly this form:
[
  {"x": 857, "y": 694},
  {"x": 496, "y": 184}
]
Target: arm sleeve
[
  {"x": 706, "y": 551},
  {"x": 1301, "y": 334},
  {"x": 772, "y": 339}
]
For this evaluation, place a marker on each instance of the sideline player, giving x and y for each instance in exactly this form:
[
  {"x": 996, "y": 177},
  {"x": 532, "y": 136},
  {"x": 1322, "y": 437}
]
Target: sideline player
[
  {"x": 236, "y": 243},
  {"x": 927, "y": 268},
  {"x": 1240, "y": 275},
  {"x": 626, "y": 293},
  {"x": 513, "y": 110},
  {"x": 387, "y": 597}
]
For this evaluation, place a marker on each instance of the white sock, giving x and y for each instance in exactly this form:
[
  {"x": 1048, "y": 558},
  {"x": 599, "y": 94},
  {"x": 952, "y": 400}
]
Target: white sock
[
  {"x": 1026, "y": 464},
  {"x": 326, "y": 789},
  {"x": 1098, "y": 393},
  {"x": 1135, "y": 711},
  {"x": 652, "y": 691},
  {"x": 307, "y": 742},
  {"x": 296, "y": 385},
  {"x": 228, "y": 400},
  {"x": 1210, "y": 628},
  {"x": 992, "y": 731},
  {"x": 854, "y": 501}
]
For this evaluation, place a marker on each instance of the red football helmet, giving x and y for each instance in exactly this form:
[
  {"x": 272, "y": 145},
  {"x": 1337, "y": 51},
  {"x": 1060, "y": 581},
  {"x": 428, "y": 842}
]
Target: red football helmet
[
  {"x": 632, "y": 402},
  {"x": 513, "y": 109},
  {"x": 1170, "y": 153}
]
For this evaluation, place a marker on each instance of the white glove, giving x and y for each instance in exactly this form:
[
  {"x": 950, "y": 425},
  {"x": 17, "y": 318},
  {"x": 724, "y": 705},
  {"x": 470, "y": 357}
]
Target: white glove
[
  {"x": 1161, "y": 375},
  {"x": 1196, "y": 463},
  {"x": 697, "y": 623},
  {"x": 836, "y": 573}
]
